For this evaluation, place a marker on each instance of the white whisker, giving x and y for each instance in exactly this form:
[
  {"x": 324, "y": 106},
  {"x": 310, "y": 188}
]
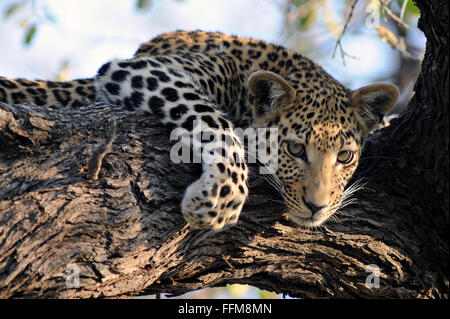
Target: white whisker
[
  {"x": 346, "y": 197},
  {"x": 272, "y": 178}
]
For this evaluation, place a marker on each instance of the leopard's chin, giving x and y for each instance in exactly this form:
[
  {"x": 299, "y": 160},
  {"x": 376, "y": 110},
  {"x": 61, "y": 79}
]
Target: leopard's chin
[{"x": 314, "y": 220}]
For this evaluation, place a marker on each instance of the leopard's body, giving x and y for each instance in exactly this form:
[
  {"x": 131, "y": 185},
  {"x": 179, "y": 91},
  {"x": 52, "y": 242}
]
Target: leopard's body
[{"x": 223, "y": 82}]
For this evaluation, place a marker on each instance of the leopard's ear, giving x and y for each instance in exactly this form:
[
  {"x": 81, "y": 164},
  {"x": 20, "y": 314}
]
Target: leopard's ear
[
  {"x": 270, "y": 93},
  {"x": 372, "y": 102}
]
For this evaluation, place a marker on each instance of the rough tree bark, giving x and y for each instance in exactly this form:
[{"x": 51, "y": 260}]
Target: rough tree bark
[{"x": 95, "y": 188}]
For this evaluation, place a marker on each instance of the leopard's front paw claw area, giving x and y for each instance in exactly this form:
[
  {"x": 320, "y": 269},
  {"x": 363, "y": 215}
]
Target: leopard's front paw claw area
[{"x": 214, "y": 201}]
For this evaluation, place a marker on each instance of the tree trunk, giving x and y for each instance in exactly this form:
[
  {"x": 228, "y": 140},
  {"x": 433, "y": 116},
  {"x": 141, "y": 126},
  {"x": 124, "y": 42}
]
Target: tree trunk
[{"x": 91, "y": 194}]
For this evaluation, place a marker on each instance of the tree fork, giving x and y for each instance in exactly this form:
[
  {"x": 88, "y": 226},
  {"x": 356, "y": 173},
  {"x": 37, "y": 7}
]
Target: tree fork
[{"x": 94, "y": 187}]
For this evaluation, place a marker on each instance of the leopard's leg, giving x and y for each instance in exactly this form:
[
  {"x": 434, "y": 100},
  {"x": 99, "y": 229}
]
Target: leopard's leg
[{"x": 217, "y": 197}]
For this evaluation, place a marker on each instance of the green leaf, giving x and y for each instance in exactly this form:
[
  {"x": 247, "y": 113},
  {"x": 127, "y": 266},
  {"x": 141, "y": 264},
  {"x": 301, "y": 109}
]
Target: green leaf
[
  {"x": 30, "y": 34},
  {"x": 13, "y": 9},
  {"x": 298, "y": 3},
  {"x": 143, "y": 4},
  {"x": 411, "y": 8},
  {"x": 308, "y": 19}
]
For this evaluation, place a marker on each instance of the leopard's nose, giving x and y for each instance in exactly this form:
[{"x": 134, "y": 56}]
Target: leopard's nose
[{"x": 313, "y": 207}]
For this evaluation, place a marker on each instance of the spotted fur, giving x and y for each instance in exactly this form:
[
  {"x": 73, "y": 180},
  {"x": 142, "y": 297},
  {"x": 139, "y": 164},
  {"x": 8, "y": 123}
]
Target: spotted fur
[
  {"x": 225, "y": 82},
  {"x": 161, "y": 87}
]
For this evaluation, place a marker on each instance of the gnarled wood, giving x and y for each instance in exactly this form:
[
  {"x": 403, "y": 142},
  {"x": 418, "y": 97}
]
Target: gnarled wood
[{"x": 74, "y": 191}]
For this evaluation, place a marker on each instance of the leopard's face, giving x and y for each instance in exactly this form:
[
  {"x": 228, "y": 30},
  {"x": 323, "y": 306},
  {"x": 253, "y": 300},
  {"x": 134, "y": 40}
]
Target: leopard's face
[
  {"x": 320, "y": 138},
  {"x": 315, "y": 163}
]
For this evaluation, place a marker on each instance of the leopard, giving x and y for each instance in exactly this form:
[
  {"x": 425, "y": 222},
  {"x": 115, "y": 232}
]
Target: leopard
[{"x": 223, "y": 83}]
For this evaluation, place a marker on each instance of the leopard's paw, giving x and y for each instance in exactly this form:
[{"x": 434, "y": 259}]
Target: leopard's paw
[{"x": 217, "y": 197}]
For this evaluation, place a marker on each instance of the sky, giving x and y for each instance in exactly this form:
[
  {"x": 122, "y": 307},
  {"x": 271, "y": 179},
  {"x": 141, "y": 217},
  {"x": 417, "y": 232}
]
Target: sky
[{"x": 88, "y": 33}]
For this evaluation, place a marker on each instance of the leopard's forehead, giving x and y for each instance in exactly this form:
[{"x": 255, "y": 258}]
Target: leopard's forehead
[{"x": 322, "y": 117}]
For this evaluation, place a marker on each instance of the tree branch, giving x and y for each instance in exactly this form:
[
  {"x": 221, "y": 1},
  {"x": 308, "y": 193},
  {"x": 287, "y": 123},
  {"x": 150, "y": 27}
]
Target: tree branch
[{"x": 126, "y": 235}]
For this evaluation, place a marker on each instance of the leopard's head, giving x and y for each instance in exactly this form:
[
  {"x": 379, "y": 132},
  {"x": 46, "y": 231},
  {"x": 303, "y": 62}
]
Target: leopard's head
[{"x": 322, "y": 127}]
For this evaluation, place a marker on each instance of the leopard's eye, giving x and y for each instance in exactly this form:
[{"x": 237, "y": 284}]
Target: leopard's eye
[
  {"x": 296, "y": 149},
  {"x": 345, "y": 157}
]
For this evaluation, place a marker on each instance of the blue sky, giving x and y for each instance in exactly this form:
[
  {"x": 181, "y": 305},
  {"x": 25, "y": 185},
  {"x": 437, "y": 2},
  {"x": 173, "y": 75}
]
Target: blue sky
[{"x": 87, "y": 33}]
